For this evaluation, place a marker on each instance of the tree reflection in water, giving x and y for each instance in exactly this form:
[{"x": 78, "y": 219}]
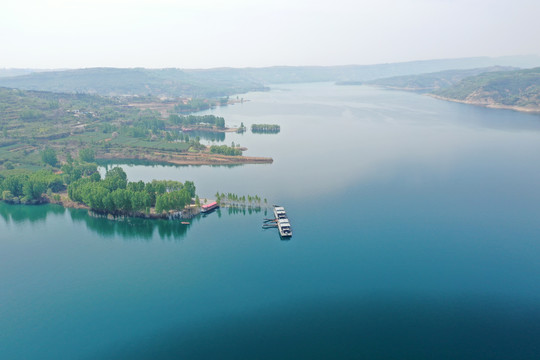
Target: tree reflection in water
[{"x": 125, "y": 228}]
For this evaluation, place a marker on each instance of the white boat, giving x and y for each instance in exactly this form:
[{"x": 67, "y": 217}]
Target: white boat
[
  {"x": 279, "y": 212},
  {"x": 283, "y": 224},
  {"x": 284, "y": 227}
]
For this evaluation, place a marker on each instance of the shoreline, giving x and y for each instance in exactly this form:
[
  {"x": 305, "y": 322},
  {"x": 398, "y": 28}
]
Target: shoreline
[
  {"x": 189, "y": 158},
  {"x": 208, "y": 129},
  {"x": 186, "y": 213},
  {"x": 64, "y": 201},
  {"x": 491, "y": 106}
]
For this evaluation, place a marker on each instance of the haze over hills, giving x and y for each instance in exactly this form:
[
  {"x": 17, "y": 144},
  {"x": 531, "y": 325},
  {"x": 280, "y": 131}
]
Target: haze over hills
[
  {"x": 430, "y": 81},
  {"x": 16, "y": 72},
  {"x": 285, "y": 74},
  {"x": 137, "y": 81},
  {"x": 495, "y": 86},
  {"x": 227, "y": 81}
]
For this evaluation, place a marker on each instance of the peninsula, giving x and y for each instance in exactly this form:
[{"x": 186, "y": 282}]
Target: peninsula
[
  {"x": 494, "y": 87},
  {"x": 120, "y": 128},
  {"x": 516, "y": 90}
]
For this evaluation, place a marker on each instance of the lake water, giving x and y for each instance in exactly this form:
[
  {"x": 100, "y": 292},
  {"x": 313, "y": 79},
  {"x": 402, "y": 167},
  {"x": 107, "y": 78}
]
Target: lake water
[{"x": 416, "y": 236}]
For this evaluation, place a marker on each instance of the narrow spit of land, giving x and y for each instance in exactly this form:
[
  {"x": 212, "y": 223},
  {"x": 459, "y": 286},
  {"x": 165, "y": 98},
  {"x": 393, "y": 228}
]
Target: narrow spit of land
[
  {"x": 489, "y": 103},
  {"x": 184, "y": 158}
]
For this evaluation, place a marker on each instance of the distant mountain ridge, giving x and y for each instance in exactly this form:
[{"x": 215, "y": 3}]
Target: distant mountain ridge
[
  {"x": 228, "y": 81},
  {"x": 360, "y": 73}
]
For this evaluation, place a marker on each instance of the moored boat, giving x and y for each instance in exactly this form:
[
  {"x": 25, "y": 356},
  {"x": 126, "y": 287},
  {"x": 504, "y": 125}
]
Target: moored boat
[
  {"x": 283, "y": 224},
  {"x": 209, "y": 207},
  {"x": 279, "y": 212},
  {"x": 284, "y": 227}
]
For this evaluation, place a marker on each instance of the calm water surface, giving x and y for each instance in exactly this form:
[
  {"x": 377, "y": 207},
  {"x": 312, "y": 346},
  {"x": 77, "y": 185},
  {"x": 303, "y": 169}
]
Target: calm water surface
[{"x": 416, "y": 227}]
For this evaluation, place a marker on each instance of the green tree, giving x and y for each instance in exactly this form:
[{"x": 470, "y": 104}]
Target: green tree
[
  {"x": 136, "y": 186},
  {"x": 69, "y": 158},
  {"x": 14, "y": 184},
  {"x": 7, "y": 195},
  {"x": 122, "y": 199},
  {"x": 33, "y": 188},
  {"x": 161, "y": 204},
  {"x": 190, "y": 188},
  {"x": 87, "y": 155},
  {"x": 48, "y": 156},
  {"x": 115, "y": 178}
]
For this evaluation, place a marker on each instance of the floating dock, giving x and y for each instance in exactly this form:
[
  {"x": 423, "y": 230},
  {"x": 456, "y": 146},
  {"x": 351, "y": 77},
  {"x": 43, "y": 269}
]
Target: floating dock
[{"x": 281, "y": 221}]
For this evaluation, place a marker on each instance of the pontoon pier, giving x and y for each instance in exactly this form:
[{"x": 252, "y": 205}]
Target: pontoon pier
[{"x": 281, "y": 221}]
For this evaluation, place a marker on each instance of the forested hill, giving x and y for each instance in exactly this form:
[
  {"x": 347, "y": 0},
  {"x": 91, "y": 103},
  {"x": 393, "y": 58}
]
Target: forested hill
[
  {"x": 211, "y": 83},
  {"x": 137, "y": 81},
  {"x": 430, "y": 81},
  {"x": 518, "y": 89}
]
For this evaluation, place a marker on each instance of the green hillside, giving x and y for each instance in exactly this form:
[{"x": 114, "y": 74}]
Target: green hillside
[
  {"x": 31, "y": 121},
  {"x": 431, "y": 81},
  {"x": 138, "y": 81},
  {"x": 520, "y": 88}
]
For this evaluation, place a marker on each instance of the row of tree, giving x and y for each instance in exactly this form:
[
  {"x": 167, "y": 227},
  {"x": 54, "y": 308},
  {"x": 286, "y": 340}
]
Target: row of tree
[
  {"x": 188, "y": 120},
  {"x": 265, "y": 128},
  {"x": 50, "y": 157},
  {"x": 193, "y": 105},
  {"x": 232, "y": 198},
  {"x": 29, "y": 188},
  {"x": 115, "y": 195},
  {"x": 225, "y": 150}
]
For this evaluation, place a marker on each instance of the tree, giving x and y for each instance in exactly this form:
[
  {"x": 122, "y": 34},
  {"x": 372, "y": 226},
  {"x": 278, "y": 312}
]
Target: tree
[
  {"x": 87, "y": 155},
  {"x": 7, "y": 195},
  {"x": 122, "y": 199},
  {"x": 161, "y": 204},
  {"x": 95, "y": 177},
  {"x": 69, "y": 158},
  {"x": 48, "y": 156},
  {"x": 220, "y": 122},
  {"x": 33, "y": 188},
  {"x": 115, "y": 178},
  {"x": 189, "y": 186},
  {"x": 14, "y": 183},
  {"x": 140, "y": 200},
  {"x": 136, "y": 186},
  {"x": 108, "y": 203}
]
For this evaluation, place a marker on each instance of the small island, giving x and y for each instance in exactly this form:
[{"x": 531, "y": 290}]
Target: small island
[{"x": 265, "y": 128}]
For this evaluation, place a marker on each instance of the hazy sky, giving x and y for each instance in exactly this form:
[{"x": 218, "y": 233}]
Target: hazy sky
[{"x": 239, "y": 33}]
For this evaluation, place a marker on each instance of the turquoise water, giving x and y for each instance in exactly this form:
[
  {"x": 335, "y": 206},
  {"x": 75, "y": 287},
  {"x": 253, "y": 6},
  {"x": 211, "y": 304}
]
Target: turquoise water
[{"x": 415, "y": 237}]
